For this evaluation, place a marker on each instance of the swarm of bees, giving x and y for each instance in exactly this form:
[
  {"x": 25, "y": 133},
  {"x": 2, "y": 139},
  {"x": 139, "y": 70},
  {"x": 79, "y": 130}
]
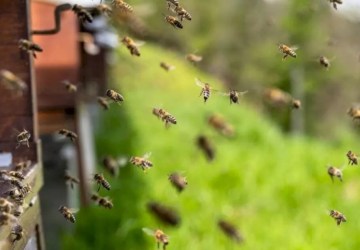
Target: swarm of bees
[{"x": 29, "y": 47}]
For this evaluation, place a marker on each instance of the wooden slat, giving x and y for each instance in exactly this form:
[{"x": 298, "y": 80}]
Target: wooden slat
[{"x": 52, "y": 121}]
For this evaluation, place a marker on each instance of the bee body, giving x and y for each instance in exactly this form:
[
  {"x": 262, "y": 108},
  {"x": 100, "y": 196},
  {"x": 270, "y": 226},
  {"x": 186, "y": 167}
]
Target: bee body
[
  {"x": 29, "y": 47},
  {"x": 178, "y": 181},
  {"x": 71, "y": 180},
  {"x": 115, "y": 96},
  {"x": 287, "y": 51},
  {"x": 222, "y": 126},
  {"x": 69, "y": 134},
  {"x": 104, "y": 9},
  {"x": 142, "y": 162},
  {"x": 352, "y": 157},
  {"x": 111, "y": 165},
  {"x": 172, "y": 2},
  {"x": 324, "y": 61},
  {"x": 83, "y": 14},
  {"x": 67, "y": 213},
  {"x": 160, "y": 237},
  {"x": 103, "y": 102},
  {"x": 166, "y": 66},
  {"x": 173, "y": 22},
  {"x": 335, "y": 172},
  {"x": 101, "y": 181},
  {"x": 230, "y": 230},
  {"x": 122, "y": 5},
  {"x": 339, "y": 217},
  {"x": 20, "y": 166},
  {"x": 193, "y": 58},
  {"x": 131, "y": 46},
  {"x": 23, "y": 138},
  {"x": 71, "y": 88},
  {"x": 17, "y": 233},
  {"x": 102, "y": 201},
  {"x": 182, "y": 13},
  {"x": 11, "y": 82},
  {"x": 6, "y": 206},
  {"x": 204, "y": 144},
  {"x": 205, "y": 89}
]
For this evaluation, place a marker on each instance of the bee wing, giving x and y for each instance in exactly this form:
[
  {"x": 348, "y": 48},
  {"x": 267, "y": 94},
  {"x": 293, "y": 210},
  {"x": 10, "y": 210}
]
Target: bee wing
[
  {"x": 199, "y": 83},
  {"x": 147, "y": 155},
  {"x": 139, "y": 43},
  {"x": 73, "y": 210},
  {"x": 224, "y": 93},
  {"x": 122, "y": 161},
  {"x": 148, "y": 231},
  {"x": 294, "y": 47}
]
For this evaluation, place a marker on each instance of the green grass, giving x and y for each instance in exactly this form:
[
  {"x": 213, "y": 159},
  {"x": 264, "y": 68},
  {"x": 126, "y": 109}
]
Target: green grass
[{"x": 273, "y": 187}]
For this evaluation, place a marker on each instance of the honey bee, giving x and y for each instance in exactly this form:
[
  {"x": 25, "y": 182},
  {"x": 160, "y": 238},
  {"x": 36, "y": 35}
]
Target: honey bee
[
  {"x": 12, "y": 82},
  {"x": 353, "y": 159},
  {"x": 333, "y": 171},
  {"x": 234, "y": 95},
  {"x": 102, "y": 201},
  {"x": 69, "y": 134},
  {"x": 122, "y": 5},
  {"x": 354, "y": 112},
  {"x": 6, "y": 219},
  {"x": 204, "y": 144},
  {"x": 23, "y": 138},
  {"x": 104, "y": 9},
  {"x": 165, "y": 116},
  {"x": 142, "y": 162},
  {"x": 287, "y": 51},
  {"x": 193, "y": 58},
  {"x": 103, "y": 102},
  {"x": 339, "y": 217},
  {"x": 173, "y": 22},
  {"x": 115, "y": 96},
  {"x": 5, "y": 205},
  {"x": 17, "y": 211},
  {"x": 68, "y": 213},
  {"x": 29, "y": 47},
  {"x": 16, "y": 196},
  {"x": 324, "y": 61},
  {"x": 173, "y": 2},
  {"x": 16, "y": 174},
  {"x": 296, "y": 104},
  {"x": 165, "y": 214},
  {"x": 166, "y": 66},
  {"x": 230, "y": 231},
  {"x": 17, "y": 233},
  {"x": 71, "y": 88},
  {"x": 20, "y": 166},
  {"x": 335, "y": 2},
  {"x": 71, "y": 180},
  {"x": 132, "y": 46},
  {"x": 112, "y": 165},
  {"x": 101, "y": 181},
  {"x": 160, "y": 237},
  {"x": 219, "y": 124},
  {"x": 277, "y": 97},
  {"x": 178, "y": 181},
  {"x": 182, "y": 13},
  {"x": 83, "y": 14},
  {"x": 205, "y": 89}
]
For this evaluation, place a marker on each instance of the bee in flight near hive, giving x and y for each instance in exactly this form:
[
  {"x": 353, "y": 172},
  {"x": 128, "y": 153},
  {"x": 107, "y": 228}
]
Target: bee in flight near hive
[
  {"x": 324, "y": 61},
  {"x": 173, "y": 22},
  {"x": 178, "y": 181},
  {"x": 335, "y": 172},
  {"x": 354, "y": 112},
  {"x": 142, "y": 162},
  {"x": 71, "y": 180},
  {"x": 166, "y": 66},
  {"x": 205, "y": 145},
  {"x": 122, "y": 5},
  {"x": 29, "y": 47},
  {"x": 101, "y": 181},
  {"x": 230, "y": 231},
  {"x": 219, "y": 124},
  {"x": 68, "y": 213},
  {"x": 69, "y": 134},
  {"x": 115, "y": 96},
  {"x": 164, "y": 116},
  {"x": 23, "y": 138},
  {"x": 352, "y": 157},
  {"x": 165, "y": 214},
  {"x": 71, "y": 88},
  {"x": 193, "y": 58},
  {"x": 132, "y": 46},
  {"x": 82, "y": 13},
  {"x": 339, "y": 217},
  {"x": 205, "y": 89},
  {"x": 102, "y": 201},
  {"x": 11, "y": 82},
  {"x": 172, "y": 2},
  {"x": 335, "y": 2},
  {"x": 234, "y": 95},
  {"x": 160, "y": 237},
  {"x": 182, "y": 13},
  {"x": 287, "y": 51},
  {"x": 103, "y": 102},
  {"x": 296, "y": 104}
]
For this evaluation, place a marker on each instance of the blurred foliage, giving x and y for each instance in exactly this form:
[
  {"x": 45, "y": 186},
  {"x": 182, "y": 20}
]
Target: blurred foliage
[{"x": 273, "y": 187}]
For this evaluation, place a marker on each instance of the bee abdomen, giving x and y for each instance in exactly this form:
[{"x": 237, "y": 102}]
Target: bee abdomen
[
  {"x": 178, "y": 24},
  {"x": 71, "y": 218},
  {"x": 106, "y": 184}
]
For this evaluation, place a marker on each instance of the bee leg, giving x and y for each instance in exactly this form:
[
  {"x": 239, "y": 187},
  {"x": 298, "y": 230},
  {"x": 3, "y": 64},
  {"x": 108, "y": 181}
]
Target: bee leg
[
  {"x": 158, "y": 245},
  {"x": 284, "y": 57},
  {"x": 335, "y": 6},
  {"x": 202, "y": 91},
  {"x": 27, "y": 144},
  {"x": 332, "y": 178},
  {"x": 34, "y": 55},
  {"x": 98, "y": 187}
]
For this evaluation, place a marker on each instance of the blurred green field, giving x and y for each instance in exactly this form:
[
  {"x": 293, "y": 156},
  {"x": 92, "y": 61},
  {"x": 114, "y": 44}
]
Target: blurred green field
[{"x": 272, "y": 186}]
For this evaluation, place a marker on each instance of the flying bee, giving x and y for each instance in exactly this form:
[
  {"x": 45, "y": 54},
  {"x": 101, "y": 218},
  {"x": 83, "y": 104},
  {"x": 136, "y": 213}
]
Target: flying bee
[
  {"x": 23, "y": 138},
  {"x": 277, "y": 97},
  {"x": 165, "y": 116},
  {"x": 166, "y": 66},
  {"x": 193, "y": 58},
  {"x": 173, "y": 22},
  {"x": 335, "y": 2},
  {"x": 71, "y": 88},
  {"x": 296, "y": 104},
  {"x": 115, "y": 96},
  {"x": 354, "y": 112},
  {"x": 230, "y": 231},
  {"x": 182, "y": 13},
  {"x": 335, "y": 172},
  {"x": 353, "y": 159},
  {"x": 101, "y": 181},
  {"x": 71, "y": 180},
  {"x": 160, "y": 237},
  {"x": 83, "y": 14},
  {"x": 204, "y": 144},
  {"x": 5, "y": 205},
  {"x": 205, "y": 89},
  {"x": 69, "y": 134},
  {"x": 142, "y": 162},
  {"x": 11, "y": 82},
  {"x": 324, "y": 61},
  {"x": 103, "y": 9},
  {"x": 103, "y": 102},
  {"x": 287, "y": 51},
  {"x": 122, "y": 5},
  {"x": 102, "y": 201},
  {"x": 20, "y": 166},
  {"x": 178, "y": 181},
  {"x": 165, "y": 214},
  {"x": 68, "y": 213},
  {"x": 132, "y": 46},
  {"x": 339, "y": 217},
  {"x": 219, "y": 124},
  {"x": 29, "y": 47},
  {"x": 234, "y": 95},
  {"x": 17, "y": 233},
  {"x": 173, "y": 2},
  {"x": 112, "y": 165}
]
